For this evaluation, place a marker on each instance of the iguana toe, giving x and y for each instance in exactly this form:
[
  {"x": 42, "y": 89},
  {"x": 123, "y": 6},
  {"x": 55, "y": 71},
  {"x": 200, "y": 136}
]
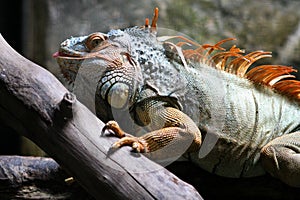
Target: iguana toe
[
  {"x": 136, "y": 143},
  {"x": 114, "y": 127}
]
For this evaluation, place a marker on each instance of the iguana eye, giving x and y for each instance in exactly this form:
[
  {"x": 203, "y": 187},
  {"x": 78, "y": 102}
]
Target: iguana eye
[{"x": 94, "y": 40}]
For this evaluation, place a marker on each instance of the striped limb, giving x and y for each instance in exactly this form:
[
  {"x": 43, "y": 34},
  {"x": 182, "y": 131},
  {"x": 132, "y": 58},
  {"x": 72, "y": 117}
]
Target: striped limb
[{"x": 173, "y": 130}]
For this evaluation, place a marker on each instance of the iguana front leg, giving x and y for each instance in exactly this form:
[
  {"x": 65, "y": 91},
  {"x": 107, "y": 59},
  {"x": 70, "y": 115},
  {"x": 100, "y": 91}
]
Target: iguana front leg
[
  {"x": 281, "y": 158},
  {"x": 170, "y": 126}
]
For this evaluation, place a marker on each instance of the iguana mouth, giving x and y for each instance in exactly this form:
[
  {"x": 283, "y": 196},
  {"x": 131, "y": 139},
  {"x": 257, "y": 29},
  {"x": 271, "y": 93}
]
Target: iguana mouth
[
  {"x": 65, "y": 55},
  {"x": 59, "y": 54}
]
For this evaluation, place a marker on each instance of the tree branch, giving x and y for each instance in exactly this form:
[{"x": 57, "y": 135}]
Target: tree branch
[
  {"x": 36, "y": 178},
  {"x": 38, "y": 106}
]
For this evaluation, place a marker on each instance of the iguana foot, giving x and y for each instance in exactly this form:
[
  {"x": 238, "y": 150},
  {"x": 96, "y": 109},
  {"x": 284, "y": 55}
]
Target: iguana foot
[
  {"x": 281, "y": 158},
  {"x": 115, "y": 128},
  {"x": 137, "y": 144}
]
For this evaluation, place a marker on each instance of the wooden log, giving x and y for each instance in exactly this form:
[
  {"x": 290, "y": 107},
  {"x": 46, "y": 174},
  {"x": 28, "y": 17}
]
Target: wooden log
[
  {"x": 36, "y": 178},
  {"x": 38, "y": 106}
]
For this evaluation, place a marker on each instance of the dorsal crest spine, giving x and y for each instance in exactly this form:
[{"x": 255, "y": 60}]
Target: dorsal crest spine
[{"x": 234, "y": 61}]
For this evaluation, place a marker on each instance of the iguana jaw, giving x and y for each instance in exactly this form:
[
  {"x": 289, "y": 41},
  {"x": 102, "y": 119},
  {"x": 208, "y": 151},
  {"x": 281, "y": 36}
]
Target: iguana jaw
[
  {"x": 63, "y": 55},
  {"x": 93, "y": 49}
]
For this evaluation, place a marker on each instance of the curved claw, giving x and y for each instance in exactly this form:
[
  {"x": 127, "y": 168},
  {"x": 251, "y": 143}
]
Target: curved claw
[
  {"x": 114, "y": 127},
  {"x": 137, "y": 144}
]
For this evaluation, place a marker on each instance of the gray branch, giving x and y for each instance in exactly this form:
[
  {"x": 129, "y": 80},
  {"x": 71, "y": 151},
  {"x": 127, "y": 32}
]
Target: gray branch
[{"x": 36, "y": 178}]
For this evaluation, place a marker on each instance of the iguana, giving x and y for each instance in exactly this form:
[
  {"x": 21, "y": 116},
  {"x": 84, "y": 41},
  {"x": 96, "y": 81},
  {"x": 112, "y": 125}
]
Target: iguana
[{"x": 200, "y": 100}]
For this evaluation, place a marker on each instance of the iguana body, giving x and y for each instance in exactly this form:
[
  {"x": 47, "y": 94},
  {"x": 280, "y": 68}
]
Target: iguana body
[{"x": 201, "y": 101}]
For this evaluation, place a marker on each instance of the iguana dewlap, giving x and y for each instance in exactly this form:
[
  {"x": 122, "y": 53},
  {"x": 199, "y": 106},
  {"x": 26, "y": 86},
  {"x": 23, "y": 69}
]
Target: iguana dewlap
[{"x": 200, "y": 100}]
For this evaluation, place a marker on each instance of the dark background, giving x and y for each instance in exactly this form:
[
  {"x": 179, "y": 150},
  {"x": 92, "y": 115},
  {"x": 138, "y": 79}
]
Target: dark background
[{"x": 11, "y": 30}]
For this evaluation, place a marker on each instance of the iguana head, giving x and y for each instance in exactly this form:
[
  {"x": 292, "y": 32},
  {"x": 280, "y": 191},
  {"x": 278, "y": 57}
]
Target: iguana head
[
  {"x": 114, "y": 59},
  {"x": 106, "y": 48}
]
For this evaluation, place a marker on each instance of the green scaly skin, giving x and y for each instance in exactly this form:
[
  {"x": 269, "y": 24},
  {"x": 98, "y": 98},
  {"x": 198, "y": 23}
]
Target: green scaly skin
[{"x": 226, "y": 124}]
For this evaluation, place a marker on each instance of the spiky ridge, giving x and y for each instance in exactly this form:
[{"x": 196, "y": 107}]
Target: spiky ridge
[{"x": 235, "y": 62}]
